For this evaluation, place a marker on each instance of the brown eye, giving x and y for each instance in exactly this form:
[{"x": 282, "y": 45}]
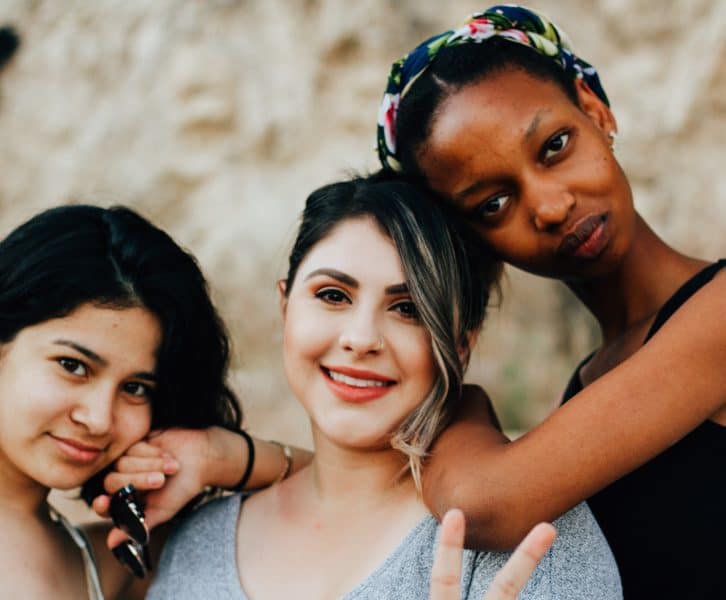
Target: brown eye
[
  {"x": 331, "y": 296},
  {"x": 492, "y": 206},
  {"x": 138, "y": 389},
  {"x": 556, "y": 144},
  {"x": 406, "y": 309},
  {"x": 73, "y": 366}
]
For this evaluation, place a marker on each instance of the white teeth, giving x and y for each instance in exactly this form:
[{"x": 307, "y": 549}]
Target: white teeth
[{"x": 354, "y": 381}]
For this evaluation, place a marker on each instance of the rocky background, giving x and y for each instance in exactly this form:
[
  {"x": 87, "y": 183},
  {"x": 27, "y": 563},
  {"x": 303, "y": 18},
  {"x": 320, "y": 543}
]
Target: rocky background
[{"x": 216, "y": 118}]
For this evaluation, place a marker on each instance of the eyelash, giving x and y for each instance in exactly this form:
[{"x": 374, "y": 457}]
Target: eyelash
[
  {"x": 147, "y": 389},
  {"x": 566, "y": 134},
  {"x": 326, "y": 295},
  {"x": 481, "y": 210},
  {"x": 71, "y": 364},
  {"x": 412, "y": 315}
]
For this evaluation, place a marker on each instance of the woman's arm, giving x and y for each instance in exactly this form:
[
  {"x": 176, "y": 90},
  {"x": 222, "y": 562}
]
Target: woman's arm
[
  {"x": 174, "y": 466},
  {"x": 629, "y": 415}
]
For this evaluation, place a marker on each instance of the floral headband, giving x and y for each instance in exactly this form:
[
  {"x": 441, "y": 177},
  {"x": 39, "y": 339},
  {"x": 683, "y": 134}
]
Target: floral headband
[{"x": 507, "y": 21}]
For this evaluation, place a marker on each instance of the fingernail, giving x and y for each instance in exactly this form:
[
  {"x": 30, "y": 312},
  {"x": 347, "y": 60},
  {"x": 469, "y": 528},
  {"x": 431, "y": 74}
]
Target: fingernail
[
  {"x": 171, "y": 466},
  {"x": 131, "y": 556},
  {"x": 155, "y": 478}
]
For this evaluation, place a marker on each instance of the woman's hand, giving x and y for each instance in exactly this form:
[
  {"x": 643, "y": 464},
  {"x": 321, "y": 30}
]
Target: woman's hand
[
  {"x": 513, "y": 576},
  {"x": 171, "y": 467}
]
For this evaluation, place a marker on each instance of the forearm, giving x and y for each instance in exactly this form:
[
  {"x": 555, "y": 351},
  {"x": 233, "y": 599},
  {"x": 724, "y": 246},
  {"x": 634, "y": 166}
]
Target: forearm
[
  {"x": 616, "y": 424},
  {"x": 228, "y": 458}
]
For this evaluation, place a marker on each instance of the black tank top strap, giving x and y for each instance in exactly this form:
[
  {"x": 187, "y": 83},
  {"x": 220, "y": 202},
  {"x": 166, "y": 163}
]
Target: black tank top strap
[
  {"x": 683, "y": 293},
  {"x": 574, "y": 386}
]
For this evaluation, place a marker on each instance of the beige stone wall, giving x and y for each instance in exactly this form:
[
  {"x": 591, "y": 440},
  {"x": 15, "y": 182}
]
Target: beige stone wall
[{"x": 215, "y": 118}]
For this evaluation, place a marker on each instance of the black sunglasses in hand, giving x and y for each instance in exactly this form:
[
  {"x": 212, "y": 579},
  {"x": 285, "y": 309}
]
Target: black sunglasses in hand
[{"x": 127, "y": 513}]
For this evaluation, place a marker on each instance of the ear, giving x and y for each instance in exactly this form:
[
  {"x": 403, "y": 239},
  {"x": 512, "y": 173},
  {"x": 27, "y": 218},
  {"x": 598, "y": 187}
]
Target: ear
[
  {"x": 281, "y": 289},
  {"x": 596, "y": 109}
]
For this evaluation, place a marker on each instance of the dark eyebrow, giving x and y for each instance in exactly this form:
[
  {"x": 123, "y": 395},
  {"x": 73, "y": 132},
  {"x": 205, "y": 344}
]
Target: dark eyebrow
[
  {"x": 91, "y": 355},
  {"x": 474, "y": 187},
  {"x": 398, "y": 288},
  {"x": 532, "y": 129},
  {"x": 339, "y": 275},
  {"x": 145, "y": 375}
]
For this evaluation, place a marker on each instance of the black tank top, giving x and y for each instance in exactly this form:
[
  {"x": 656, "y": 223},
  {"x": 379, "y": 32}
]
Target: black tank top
[{"x": 666, "y": 521}]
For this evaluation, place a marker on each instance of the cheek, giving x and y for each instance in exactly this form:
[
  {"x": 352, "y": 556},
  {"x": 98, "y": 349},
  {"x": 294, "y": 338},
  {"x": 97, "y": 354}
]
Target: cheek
[
  {"x": 133, "y": 423},
  {"x": 416, "y": 357},
  {"x": 306, "y": 334}
]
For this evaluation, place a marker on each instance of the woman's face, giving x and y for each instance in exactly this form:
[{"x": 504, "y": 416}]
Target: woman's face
[
  {"x": 74, "y": 393},
  {"x": 534, "y": 173},
  {"x": 355, "y": 353}
]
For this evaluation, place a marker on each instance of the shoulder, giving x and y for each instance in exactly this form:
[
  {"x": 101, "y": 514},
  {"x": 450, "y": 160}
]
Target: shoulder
[
  {"x": 579, "y": 566},
  {"x": 208, "y": 524},
  {"x": 198, "y": 552},
  {"x": 580, "y": 562}
]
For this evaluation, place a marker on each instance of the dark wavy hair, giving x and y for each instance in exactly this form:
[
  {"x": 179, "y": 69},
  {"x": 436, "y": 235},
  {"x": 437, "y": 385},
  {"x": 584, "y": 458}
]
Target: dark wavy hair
[
  {"x": 448, "y": 273},
  {"x": 73, "y": 255}
]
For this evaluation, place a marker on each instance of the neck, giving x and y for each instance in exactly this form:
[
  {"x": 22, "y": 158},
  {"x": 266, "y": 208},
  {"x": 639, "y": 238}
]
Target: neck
[
  {"x": 355, "y": 480},
  {"x": 21, "y": 496},
  {"x": 649, "y": 274}
]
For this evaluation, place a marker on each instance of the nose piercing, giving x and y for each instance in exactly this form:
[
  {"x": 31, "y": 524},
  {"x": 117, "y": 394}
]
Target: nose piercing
[{"x": 379, "y": 346}]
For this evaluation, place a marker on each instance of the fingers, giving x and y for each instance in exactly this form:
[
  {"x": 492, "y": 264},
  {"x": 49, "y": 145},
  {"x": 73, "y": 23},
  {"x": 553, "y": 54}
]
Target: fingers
[
  {"x": 446, "y": 571},
  {"x": 115, "y": 537},
  {"x": 132, "y": 464},
  {"x": 101, "y": 505},
  {"x": 144, "y": 448},
  {"x": 141, "y": 481},
  {"x": 144, "y": 472},
  {"x": 514, "y": 574}
]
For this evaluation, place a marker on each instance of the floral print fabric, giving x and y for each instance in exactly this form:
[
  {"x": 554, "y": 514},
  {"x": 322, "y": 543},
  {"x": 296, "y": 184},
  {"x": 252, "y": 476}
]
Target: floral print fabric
[{"x": 515, "y": 23}]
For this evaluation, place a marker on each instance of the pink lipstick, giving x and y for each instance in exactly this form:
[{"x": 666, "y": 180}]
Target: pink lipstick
[{"x": 356, "y": 385}]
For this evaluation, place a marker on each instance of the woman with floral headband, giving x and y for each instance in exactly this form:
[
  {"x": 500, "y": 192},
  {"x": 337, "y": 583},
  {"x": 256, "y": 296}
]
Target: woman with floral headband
[{"x": 514, "y": 131}]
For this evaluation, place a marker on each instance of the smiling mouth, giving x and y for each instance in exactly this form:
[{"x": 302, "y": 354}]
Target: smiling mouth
[
  {"x": 586, "y": 239},
  {"x": 357, "y": 381},
  {"x": 360, "y": 388},
  {"x": 75, "y": 450}
]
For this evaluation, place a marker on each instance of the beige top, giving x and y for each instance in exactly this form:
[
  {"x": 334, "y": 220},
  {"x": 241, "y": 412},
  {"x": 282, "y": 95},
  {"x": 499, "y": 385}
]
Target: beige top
[{"x": 93, "y": 582}]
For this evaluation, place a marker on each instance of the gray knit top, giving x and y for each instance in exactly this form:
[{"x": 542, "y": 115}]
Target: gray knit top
[{"x": 199, "y": 561}]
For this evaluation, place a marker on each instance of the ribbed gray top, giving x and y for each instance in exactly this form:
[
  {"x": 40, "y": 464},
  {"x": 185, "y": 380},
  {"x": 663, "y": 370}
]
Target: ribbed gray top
[{"x": 199, "y": 561}]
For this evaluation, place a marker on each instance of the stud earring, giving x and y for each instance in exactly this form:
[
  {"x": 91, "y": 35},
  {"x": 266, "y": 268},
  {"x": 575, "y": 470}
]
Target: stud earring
[{"x": 612, "y": 134}]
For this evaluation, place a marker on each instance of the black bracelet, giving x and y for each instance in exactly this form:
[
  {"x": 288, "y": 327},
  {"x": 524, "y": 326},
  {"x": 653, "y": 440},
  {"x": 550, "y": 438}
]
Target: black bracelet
[{"x": 250, "y": 459}]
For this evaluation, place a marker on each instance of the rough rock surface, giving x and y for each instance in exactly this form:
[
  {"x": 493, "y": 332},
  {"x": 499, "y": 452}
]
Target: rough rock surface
[{"x": 216, "y": 118}]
